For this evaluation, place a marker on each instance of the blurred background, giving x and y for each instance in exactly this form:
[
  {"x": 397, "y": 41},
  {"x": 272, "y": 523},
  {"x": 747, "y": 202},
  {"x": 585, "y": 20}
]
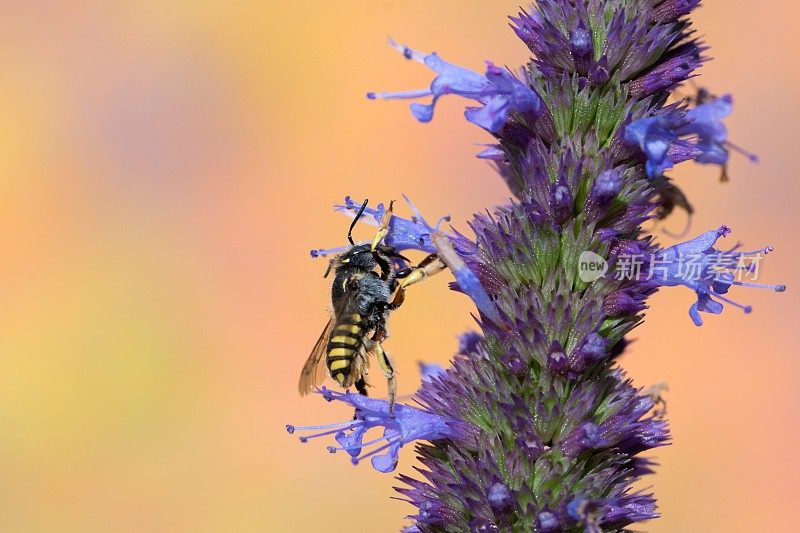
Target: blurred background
[{"x": 165, "y": 167}]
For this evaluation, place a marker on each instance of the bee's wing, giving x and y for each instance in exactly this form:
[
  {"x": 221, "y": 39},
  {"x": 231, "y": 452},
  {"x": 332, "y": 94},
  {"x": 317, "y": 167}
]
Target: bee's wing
[{"x": 314, "y": 371}]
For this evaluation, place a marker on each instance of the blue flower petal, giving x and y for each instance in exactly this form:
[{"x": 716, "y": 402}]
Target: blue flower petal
[
  {"x": 404, "y": 234},
  {"x": 406, "y": 424},
  {"x": 675, "y": 136},
  {"x": 468, "y": 282},
  {"x": 431, "y": 371},
  {"x": 709, "y": 272},
  {"x": 499, "y": 91}
]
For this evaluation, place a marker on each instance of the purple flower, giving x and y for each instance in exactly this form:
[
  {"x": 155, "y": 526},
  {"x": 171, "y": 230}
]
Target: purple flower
[
  {"x": 655, "y": 136},
  {"x": 594, "y": 346},
  {"x": 500, "y": 497},
  {"x": 624, "y": 302},
  {"x": 547, "y": 521},
  {"x": 499, "y": 91},
  {"x": 607, "y": 186},
  {"x": 406, "y": 424},
  {"x": 705, "y": 121},
  {"x": 468, "y": 281},
  {"x": 561, "y": 201},
  {"x": 699, "y": 266},
  {"x": 404, "y": 234},
  {"x": 430, "y": 371},
  {"x": 587, "y": 436},
  {"x": 669, "y": 72},
  {"x": 492, "y": 152},
  {"x": 468, "y": 342},
  {"x": 673, "y": 9},
  {"x": 557, "y": 360},
  {"x": 675, "y": 136},
  {"x": 628, "y": 508}
]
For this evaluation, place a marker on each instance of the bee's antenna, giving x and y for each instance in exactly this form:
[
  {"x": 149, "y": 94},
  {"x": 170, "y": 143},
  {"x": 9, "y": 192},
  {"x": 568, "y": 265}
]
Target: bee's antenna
[{"x": 358, "y": 215}]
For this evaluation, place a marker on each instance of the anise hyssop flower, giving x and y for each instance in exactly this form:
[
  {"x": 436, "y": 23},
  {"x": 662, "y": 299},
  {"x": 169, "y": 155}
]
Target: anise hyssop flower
[{"x": 534, "y": 426}]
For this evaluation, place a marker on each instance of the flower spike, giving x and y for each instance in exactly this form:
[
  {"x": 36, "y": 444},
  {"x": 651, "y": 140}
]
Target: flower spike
[{"x": 534, "y": 425}]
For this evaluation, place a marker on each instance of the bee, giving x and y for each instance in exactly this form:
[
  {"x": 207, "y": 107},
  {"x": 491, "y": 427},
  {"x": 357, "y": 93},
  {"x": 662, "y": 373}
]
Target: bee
[{"x": 367, "y": 286}]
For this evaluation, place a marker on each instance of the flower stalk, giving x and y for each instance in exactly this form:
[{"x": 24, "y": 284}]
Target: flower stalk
[{"x": 534, "y": 426}]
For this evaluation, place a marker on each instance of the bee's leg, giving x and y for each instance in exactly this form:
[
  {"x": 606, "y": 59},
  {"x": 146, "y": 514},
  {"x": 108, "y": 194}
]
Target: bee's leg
[
  {"x": 388, "y": 371},
  {"x": 427, "y": 267},
  {"x": 387, "y": 270},
  {"x": 399, "y": 298},
  {"x": 723, "y": 176},
  {"x": 383, "y": 227},
  {"x": 361, "y": 386}
]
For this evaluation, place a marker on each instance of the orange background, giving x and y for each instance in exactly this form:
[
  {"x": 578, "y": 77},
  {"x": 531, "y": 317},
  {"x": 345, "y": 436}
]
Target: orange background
[{"x": 165, "y": 168}]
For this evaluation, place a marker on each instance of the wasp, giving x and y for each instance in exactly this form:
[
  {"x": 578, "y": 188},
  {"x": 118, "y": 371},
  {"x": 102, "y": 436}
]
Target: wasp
[{"x": 366, "y": 287}]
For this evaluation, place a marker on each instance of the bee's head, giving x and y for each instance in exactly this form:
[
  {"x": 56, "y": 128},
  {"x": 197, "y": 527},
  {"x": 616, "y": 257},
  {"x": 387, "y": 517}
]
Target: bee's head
[
  {"x": 362, "y": 256},
  {"x": 359, "y": 256}
]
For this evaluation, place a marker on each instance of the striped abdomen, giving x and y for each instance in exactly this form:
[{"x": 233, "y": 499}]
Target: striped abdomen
[{"x": 344, "y": 346}]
